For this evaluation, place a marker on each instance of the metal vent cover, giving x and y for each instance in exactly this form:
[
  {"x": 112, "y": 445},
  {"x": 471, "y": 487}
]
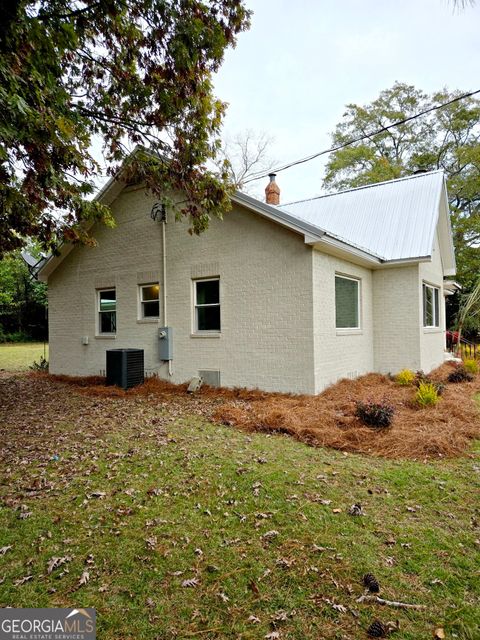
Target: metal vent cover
[
  {"x": 210, "y": 377},
  {"x": 125, "y": 367}
]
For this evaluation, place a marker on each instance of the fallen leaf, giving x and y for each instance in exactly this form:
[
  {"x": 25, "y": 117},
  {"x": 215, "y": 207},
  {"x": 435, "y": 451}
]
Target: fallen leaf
[
  {"x": 439, "y": 634},
  {"x": 96, "y": 494},
  {"x": 20, "y": 581},
  {"x": 356, "y": 510},
  {"x": 191, "y": 582},
  {"x": 3, "y": 550},
  {"x": 338, "y": 607},
  {"x": 151, "y": 542},
  {"x": 56, "y": 562},
  {"x": 84, "y": 578},
  {"x": 253, "y": 587},
  {"x": 270, "y": 535},
  {"x": 212, "y": 568}
]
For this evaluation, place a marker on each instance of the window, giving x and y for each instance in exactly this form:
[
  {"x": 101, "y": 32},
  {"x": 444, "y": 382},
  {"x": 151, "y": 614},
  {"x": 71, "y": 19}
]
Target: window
[
  {"x": 107, "y": 311},
  {"x": 207, "y": 304},
  {"x": 431, "y": 307},
  {"x": 347, "y": 303},
  {"x": 149, "y": 301}
]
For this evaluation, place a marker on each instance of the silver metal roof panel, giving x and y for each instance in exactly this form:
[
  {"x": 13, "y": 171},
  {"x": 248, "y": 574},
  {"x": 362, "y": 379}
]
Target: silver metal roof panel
[{"x": 393, "y": 220}]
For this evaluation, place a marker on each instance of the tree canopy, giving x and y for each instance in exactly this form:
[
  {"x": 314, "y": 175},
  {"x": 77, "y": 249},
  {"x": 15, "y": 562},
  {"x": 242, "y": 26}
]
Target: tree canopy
[
  {"x": 23, "y": 300},
  {"x": 123, "y": 72},
  {"x": 447, "y": 138}
]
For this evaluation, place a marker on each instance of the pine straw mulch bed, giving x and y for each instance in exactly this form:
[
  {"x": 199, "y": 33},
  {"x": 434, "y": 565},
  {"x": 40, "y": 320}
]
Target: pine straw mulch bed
[{"x": 327, "y": 419}]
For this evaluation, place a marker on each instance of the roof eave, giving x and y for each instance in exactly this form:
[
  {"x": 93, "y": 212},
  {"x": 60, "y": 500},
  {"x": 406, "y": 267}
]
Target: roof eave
[
  {"x": 310, "y": 232},
  {"x": 329, "y": 242}
]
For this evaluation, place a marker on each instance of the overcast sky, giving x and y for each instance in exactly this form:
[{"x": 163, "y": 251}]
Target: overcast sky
[{"x": 302, "y": 61}]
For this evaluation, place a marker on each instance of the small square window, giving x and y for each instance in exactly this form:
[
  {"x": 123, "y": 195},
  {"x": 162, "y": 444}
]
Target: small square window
[
  {"x": 347, "y": 303},
  {"x": 107, "y": 311},
  {"x": 207, "y": 304},
  {"x": 149, "y": 301}
]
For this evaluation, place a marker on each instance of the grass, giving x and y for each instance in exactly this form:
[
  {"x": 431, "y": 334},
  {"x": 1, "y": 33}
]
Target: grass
[
  {"x": 144, "y": 495},
  {"x": 18, "y": 357}
]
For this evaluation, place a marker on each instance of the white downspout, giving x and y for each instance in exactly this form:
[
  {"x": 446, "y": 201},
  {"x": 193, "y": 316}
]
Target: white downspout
[{"x": 164, "y": 287}]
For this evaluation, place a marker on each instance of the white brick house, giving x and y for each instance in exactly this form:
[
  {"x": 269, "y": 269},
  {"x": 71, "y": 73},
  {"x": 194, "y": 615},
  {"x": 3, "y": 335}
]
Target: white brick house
[{"x": 286, "y": 298}]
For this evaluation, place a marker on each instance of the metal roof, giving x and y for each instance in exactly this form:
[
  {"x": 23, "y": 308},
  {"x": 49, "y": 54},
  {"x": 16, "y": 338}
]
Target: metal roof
[{"x": 393, "y": 220}]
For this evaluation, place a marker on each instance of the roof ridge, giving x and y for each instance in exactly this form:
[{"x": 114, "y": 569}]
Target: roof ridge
[{"x": 365, "y": 186}]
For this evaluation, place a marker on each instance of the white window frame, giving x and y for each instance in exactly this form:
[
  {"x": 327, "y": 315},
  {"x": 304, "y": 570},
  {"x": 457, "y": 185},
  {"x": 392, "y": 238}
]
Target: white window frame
[
  {"x": 196, "y": 330},
  {"x": 436, "y": 313},
  {"x": 141, "y": 301},
  {"x": 358, "y": 327},
  {"x": 99, "y": 312}
]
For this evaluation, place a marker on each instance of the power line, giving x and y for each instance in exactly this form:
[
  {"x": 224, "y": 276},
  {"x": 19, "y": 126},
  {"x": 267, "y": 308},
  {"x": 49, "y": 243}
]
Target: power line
[{"x": 360, "y": 138}]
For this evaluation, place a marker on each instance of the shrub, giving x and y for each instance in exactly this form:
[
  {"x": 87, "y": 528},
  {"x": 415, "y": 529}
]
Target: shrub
[
  {"x": 427, "y": 394},
  {"x": 375, "y": 414},
  {"x": 420, "y": 377},
  {"x": 16, "y": 336},
  {"x": 440, "y": 387},
  {"x": 405, "y": 377},
  {"x": 471, "y": 366},
  {"x": 41, "y": 365},
  {"x": 460, "y": 374}
]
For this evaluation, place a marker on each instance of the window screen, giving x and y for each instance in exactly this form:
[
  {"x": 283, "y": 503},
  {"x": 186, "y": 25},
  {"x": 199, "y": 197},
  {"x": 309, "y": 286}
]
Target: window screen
[{"x": 346, "y": 303}]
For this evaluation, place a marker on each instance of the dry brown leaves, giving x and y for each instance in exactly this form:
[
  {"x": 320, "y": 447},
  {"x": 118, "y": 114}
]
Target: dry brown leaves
[
  {"x": 328, "y": 418},
  {"x": 33, "y": 405}
]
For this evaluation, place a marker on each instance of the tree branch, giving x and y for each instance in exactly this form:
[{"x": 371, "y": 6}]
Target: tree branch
[{"x": 389, "y": 603}]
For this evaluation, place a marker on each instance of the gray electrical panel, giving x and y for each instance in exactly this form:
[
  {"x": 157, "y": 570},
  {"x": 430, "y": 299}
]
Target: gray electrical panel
[{"x": 165, "y": 343}]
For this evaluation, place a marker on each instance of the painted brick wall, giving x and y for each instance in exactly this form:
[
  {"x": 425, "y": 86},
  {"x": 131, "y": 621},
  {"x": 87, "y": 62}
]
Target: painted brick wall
[
  {"x": 342, "y": 353},
  {"x": 266, "y": 298},
  {"x": 277, "y": 304},
  {"x": 432, "y": 341},
  {"x": 396, "y": 309}
]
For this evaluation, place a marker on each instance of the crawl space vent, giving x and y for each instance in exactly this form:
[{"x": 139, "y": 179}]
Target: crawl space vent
[{"x": 210, "y": 377}]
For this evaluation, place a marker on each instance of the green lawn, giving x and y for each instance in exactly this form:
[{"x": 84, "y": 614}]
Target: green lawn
[
  {"x": 18, "y": 357},
  {"x": 173, "y": 527}
]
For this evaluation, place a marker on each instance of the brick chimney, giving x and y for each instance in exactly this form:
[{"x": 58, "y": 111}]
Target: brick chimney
[{"x": 272, "y": 190}]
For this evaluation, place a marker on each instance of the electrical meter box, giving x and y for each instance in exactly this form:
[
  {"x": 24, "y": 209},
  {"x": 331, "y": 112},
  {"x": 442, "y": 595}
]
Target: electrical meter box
[{"x": 165, "y": 343}]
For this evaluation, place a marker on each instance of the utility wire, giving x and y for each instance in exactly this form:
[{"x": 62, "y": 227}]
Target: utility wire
[{"x": 360, "y": 138}]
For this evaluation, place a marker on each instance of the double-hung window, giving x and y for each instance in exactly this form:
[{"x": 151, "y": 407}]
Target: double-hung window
[
  {"x": 149, "y": 301},
  {"x": 431, "y": 306},
  {"x": 207, "y": 304},
  {"x": 347, "y": 302},
  {"x": 107, "y": 311}
]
